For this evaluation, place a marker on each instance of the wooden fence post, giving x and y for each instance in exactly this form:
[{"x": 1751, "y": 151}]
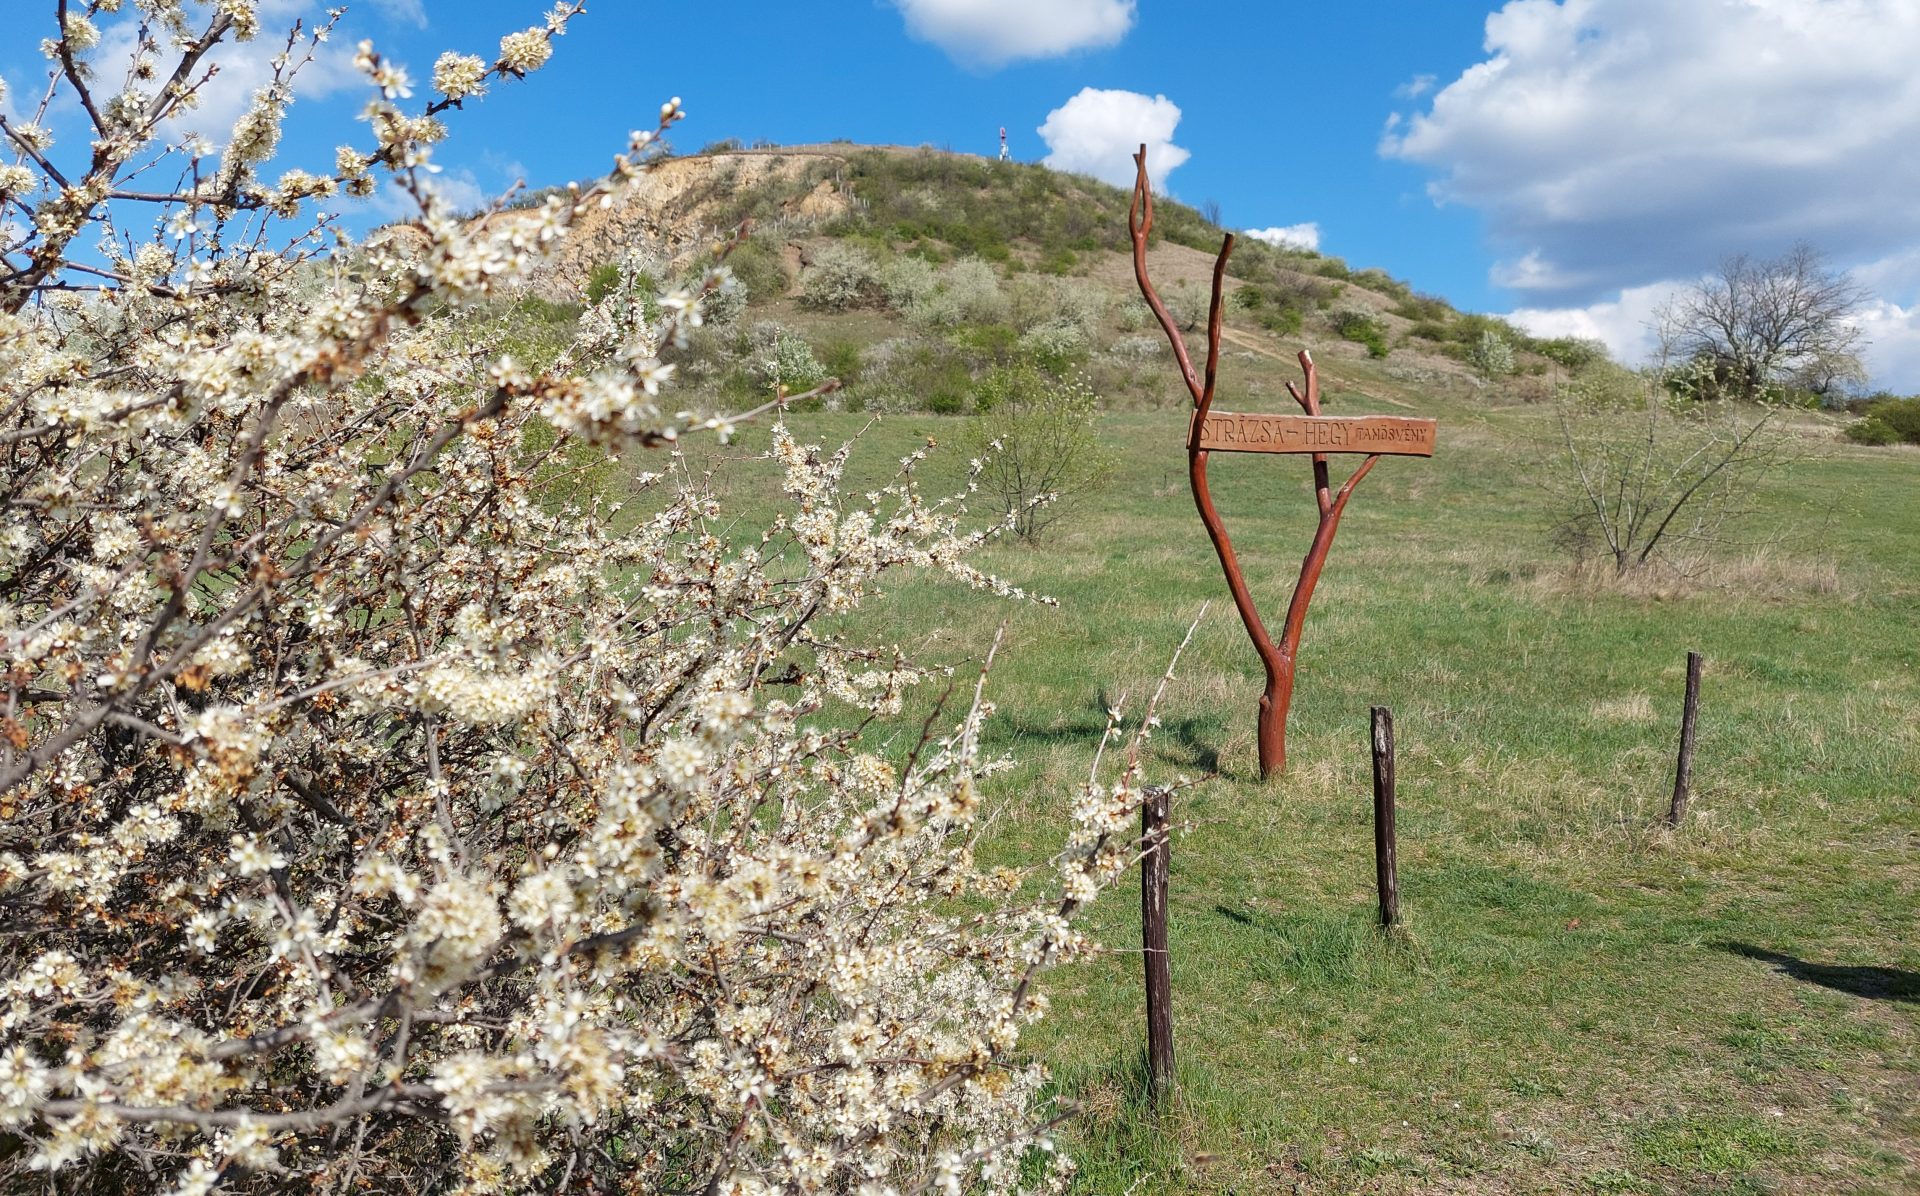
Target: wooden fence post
[
  {"x": 1683, "y": 772},
  {"x": 1155, "y": 846},
  {"x": 1385, "y": 848}
]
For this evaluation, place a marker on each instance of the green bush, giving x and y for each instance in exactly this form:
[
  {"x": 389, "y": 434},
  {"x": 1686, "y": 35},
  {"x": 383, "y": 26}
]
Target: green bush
[
  {"x": 1875, "y": 431},
  {"x": 969, "y": 292},
  {"x": 761, "y": 268},
  {"x": 783, "y": 358},
  {"x": 1056, "y": 346},
  {"x": 1282, "y": 321},
  {"x": 1492, "y": 356},
  {"x": 601, "y": 282},
  {"x": 1424, "y": 308},
  {"x": 1889, "y": 421},
  {"x": 1574, "y": 353},
  {"x": 1037, "y": 435},
  {"x": 1361, "y": 326},
  {"x": 842, "y": 276},
  {"x": 842, "y": 359}
]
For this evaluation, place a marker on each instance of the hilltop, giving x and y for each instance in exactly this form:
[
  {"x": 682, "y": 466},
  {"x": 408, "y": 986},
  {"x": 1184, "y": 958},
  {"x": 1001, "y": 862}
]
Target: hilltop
[{"x": 908, "y": 272}]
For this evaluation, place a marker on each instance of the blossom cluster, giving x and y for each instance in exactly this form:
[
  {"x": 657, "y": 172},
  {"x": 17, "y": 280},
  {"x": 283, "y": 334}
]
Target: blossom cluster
[{"x": 379, "y": 812}]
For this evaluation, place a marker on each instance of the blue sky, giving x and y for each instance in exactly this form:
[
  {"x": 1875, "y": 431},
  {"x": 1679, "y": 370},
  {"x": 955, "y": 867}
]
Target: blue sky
[{"x": 1568, "y": 161}]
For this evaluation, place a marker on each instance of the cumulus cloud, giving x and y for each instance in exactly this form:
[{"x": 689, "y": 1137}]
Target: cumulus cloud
[
  {"x": 1628, "y": 321},
  {"x": 1292, "y": 236},
  {"x": 1097, "y": 132},
  {"x": 994, "y": 32},
  {"x": 1612, "y": 144},
  {"x": 245, "y": 67}
]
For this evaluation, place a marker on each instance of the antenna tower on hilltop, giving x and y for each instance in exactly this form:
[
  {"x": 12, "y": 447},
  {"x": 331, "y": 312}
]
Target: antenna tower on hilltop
[{"x": 1003, "y": 144}]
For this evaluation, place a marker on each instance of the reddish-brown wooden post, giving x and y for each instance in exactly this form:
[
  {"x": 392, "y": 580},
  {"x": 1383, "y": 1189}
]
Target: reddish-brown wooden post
[
  {"x": 1312, "y": 433},
  {"x": 1156, "y": 843}
]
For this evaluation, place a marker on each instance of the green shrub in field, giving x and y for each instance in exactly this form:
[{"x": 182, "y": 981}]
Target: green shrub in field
[
  {"x": 1889, "y": 421},
  {"x": 1036, "y": 433},
  {"x": 842, "y": 276},
  {"x": 782, "y": 357},
  {"x": 1492, "y": 356},
  {"x": 1361, "y": 326}
]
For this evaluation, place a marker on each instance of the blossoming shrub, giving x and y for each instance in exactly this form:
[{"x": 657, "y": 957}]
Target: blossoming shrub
[{"x": 377, "y": 812}]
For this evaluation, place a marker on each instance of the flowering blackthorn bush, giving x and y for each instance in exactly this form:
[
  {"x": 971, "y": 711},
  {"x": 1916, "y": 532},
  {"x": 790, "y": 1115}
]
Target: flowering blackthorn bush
[{"x": 372, "y": 819}]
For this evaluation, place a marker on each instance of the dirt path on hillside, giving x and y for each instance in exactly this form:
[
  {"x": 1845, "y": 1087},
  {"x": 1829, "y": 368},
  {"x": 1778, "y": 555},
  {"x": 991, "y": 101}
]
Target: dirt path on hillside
[{"x": 1252, "y": 344}]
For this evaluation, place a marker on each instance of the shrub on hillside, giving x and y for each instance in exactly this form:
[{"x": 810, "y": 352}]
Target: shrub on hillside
[
  {"x": 1077, "y": 302},
  {"x": 782, "y": 358},
  {"x": 1360, "y": 325},
  {"x": 907, "y": 282},
  {"x": 842, "y": 276},
  {"x": 969, "y": 292},
  {"x": 1055, "y": 346},
  {"x": 1573, "y": 353},
  {"x": 1888, "y": 421},
  {"x": 1492, "y": 356}
]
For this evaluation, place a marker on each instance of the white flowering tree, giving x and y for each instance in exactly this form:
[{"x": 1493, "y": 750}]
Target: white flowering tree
[{"x": 372, "y": 820}]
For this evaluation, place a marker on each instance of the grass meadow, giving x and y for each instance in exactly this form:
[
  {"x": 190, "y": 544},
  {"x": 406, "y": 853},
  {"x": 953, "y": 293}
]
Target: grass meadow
[{"x": 1581, "y": 1000}]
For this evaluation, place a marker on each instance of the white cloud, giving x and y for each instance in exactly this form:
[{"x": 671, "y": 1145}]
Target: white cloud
[
  {"x": 1615, "y": 143},
  {"x": 244, "y": 68},
  {"x": 1097, "y": 132},
  {"x": 1416, "y": 87},
  {"x": 994, "y": 32},
  {"x": 1626, "y": 323},
  {"x": 408, "y": 12},
  {"x": 459, "y": 188},
  {"x": 1292, "y": 236}
]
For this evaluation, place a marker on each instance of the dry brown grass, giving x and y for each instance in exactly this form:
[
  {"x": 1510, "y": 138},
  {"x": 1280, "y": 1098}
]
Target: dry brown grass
[{"x": 1764, "y": 575}]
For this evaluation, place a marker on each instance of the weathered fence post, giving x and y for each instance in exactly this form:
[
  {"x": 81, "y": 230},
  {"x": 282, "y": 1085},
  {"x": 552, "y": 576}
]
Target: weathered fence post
[
  {"x": 1683, "y": 772},
  {"x": 1385, "y": 849},
  {"x": 1155, "y": 846}
]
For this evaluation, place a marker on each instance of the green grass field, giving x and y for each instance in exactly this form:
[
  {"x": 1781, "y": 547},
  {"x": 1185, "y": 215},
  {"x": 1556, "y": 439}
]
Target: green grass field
[{"x": 1581, "y": 1001}]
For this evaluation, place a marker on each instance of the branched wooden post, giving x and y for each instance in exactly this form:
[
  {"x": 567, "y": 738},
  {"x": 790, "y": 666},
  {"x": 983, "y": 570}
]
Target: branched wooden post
[
  {"x": 1313, "y": 434},
  {"x": 1155, "y": 848},
  {"x": 1683, "y": 771}
]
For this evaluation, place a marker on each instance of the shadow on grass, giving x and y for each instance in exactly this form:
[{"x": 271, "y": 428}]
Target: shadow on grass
[
  {"x": 1180, "y": 742},
  {"x": 1120, "y": 1141},
  {"x": 1872, "y": 983}
]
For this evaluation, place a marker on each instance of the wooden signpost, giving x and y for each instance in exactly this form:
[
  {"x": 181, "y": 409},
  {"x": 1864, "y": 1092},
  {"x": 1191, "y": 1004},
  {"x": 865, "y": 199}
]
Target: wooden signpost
[{"x": 1311, "y": 433}]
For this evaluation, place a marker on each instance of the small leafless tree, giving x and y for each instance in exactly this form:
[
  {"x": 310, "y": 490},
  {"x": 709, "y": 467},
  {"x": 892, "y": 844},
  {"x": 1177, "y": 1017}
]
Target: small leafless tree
[
  {"x": 1760, "y": 323},
  {"x": 1643, "y": 474}
]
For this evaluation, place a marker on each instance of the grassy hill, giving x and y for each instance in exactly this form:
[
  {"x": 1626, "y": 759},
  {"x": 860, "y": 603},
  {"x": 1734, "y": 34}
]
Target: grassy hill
[{"x": 1582, "y": 1000}]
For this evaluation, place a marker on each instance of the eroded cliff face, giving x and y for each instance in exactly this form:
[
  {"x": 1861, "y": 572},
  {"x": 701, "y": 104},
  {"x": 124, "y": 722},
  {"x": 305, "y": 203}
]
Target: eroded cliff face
[{"x": 678, "y": 207}]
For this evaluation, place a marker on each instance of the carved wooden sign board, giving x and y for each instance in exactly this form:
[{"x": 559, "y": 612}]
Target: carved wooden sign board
[{"x": 1375, "y": 435}]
